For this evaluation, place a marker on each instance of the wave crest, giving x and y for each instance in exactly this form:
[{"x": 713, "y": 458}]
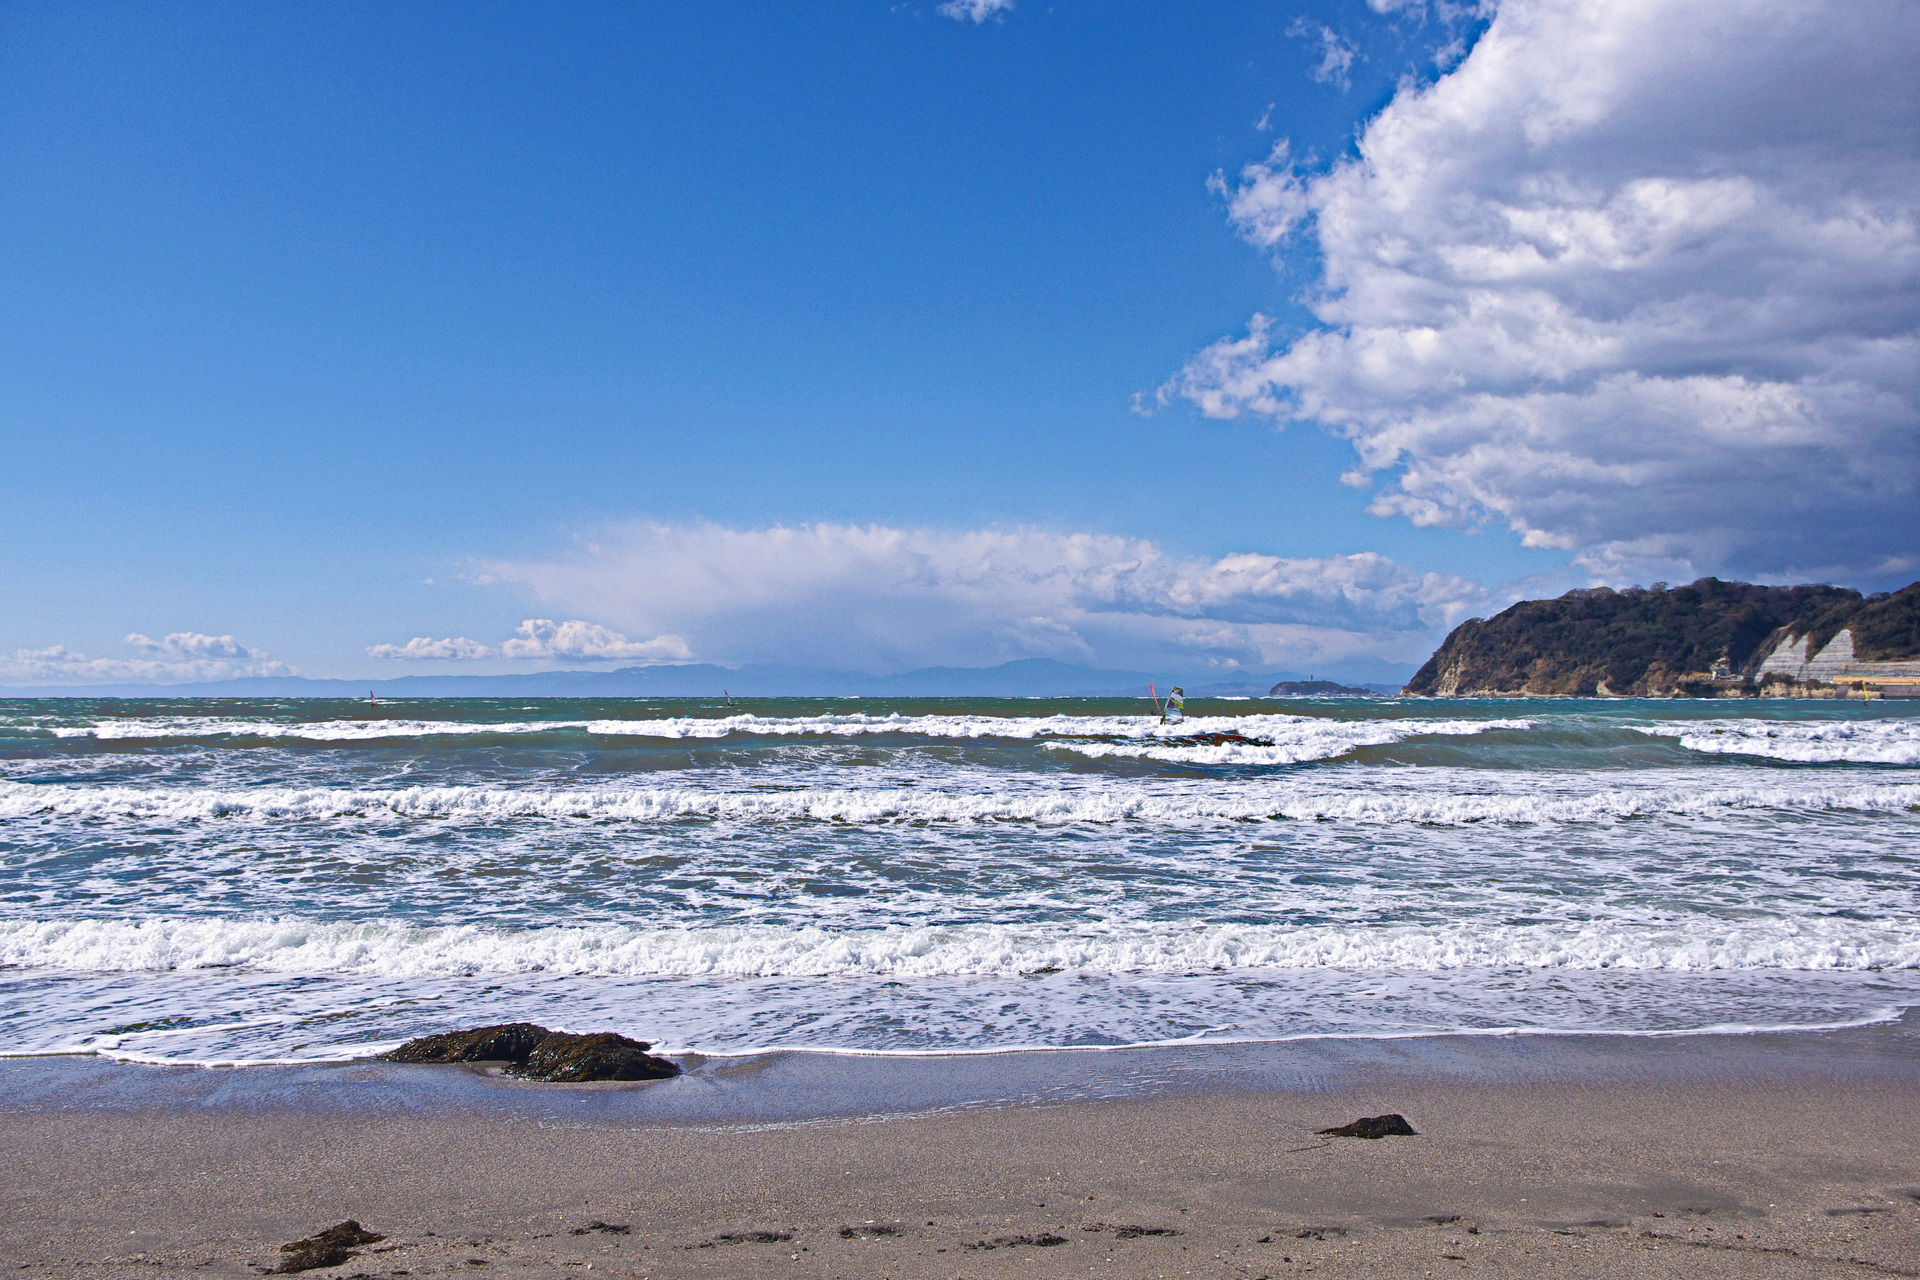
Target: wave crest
[
  {"x": 1116, "y": 803},
  {"x": 1803, "y": 742},
  {"x": 392, "y": 949}
]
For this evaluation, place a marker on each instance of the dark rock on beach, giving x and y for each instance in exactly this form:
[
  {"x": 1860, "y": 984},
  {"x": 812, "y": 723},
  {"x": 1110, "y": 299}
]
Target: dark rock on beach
[
  {"x": 327, "y": 1248},
  {"x": 1045, "y": 1240},
  {"x": 744, "y": 1237},
  {"x": 570, "y": 1059},
  {"x": 535, "y": 1053},
  {"x": 507, "y": 1042},
  {"x": 1387, "y": 1126}
]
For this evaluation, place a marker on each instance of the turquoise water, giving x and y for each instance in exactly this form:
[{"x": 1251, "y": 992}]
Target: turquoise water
[{"x": 233, "y": 881}]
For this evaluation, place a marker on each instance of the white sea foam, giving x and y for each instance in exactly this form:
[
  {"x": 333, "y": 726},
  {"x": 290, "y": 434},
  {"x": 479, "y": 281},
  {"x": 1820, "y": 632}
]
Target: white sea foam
[
  {"x": 1103, "y": 803},
  {"x": 861, "y": 725},
  {"x": 1805, "y": 741},
  {"x": 1304, "y": 739},
  {"x": 395, "y": 949},
  {"x": 702, "y": 897},
  {"x": 194, "y": 727},
  {"x": 1293, "y": 737}
]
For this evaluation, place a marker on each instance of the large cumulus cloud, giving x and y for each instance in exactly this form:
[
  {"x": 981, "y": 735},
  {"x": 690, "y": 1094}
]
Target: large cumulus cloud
[
  {"x": 1638, "y": 279},
  {"x": 878, "y": 598}
]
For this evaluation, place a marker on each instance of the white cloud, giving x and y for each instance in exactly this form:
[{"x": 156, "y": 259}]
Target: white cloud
[
  {"x": 1269, "y": 201},
  {"x": 578, "y": 641},
  {"x": 1444, "y": 10},
  {"x": 191, "y": 646},
  {"x": 878, "y": 598},
  {"x": 1637, "y": 279},
  {"x": 542, "y": 639},
  {"x": 1336, "y": 54},
  {"x": 975, "y": 10},
  {"x": 179, "y": 656},
  {"x": 427, "y": 649}
]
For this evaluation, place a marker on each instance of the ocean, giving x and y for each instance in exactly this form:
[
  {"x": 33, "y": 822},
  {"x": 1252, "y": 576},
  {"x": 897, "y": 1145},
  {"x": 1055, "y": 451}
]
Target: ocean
[{"x": 230, "y": 882}]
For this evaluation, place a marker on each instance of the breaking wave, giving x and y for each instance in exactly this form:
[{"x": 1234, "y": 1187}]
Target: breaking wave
[
  {"x": 395, "y": 949},
  {"x": 199, "y": 727},
  {"x": 1113, "y": 803},
  {"x": 1297, "y": 737},
  {"x": 1805, "y": 742},
  {"x": 1304, "y": 739}
]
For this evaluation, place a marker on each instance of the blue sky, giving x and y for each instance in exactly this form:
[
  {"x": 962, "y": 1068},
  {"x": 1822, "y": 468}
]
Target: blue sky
[{"x": 331, "y": 327}]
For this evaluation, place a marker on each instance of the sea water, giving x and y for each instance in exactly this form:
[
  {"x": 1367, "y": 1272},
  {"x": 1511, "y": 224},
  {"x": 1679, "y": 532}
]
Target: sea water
[{"x": 227, "y": 881}]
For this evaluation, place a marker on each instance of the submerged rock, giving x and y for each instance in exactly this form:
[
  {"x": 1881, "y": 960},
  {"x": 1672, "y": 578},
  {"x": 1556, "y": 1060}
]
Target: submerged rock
[
  {"x": 327, "y": 1248},
  {"x": 1387, "y": 1126},
  {"x": 535, "y": 1053}
]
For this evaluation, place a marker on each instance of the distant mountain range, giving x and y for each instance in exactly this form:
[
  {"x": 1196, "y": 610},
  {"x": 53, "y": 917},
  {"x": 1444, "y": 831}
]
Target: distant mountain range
[
  {"x": 1709, "y": 638},
  {"x": 1030, "y": 677}
]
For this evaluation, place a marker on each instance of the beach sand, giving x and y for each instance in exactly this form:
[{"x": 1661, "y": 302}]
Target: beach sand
[{"x": 1721, "y": 1161}]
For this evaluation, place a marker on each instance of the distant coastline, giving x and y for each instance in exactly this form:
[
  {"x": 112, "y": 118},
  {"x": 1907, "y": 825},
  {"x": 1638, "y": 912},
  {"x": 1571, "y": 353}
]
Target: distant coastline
[{"x": 1026, "y": 678}]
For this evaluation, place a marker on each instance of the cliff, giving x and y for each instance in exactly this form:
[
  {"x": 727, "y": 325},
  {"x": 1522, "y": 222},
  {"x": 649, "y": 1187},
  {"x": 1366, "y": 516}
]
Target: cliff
[
  {"x": 1885, "y": 628},
  {"x": 1660, "y": 642}
]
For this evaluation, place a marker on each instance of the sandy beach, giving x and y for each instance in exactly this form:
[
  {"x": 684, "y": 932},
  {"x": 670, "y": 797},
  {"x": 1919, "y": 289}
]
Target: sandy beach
[{"x": 1785, "y": 1155}]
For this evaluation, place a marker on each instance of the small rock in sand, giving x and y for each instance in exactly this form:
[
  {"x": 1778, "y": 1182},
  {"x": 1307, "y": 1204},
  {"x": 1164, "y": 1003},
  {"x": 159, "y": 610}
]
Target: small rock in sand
[
  {"x": 1387, "y": 1126},
  {"x": 1045, "y": 1239}
]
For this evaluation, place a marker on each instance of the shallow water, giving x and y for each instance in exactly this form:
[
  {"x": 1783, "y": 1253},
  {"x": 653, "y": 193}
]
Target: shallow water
[{"x": 228, "y": 881}]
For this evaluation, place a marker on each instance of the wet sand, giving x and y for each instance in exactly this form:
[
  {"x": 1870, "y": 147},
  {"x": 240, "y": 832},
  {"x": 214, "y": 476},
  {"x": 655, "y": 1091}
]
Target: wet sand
[{"x": 1705, "y": 1156}]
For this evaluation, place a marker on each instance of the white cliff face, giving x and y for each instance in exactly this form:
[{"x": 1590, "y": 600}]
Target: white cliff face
[
  {"x": 1834, "y": 661},
  {"x": 1795, "y": 658},
  {"x": 1790, "y": 658}
]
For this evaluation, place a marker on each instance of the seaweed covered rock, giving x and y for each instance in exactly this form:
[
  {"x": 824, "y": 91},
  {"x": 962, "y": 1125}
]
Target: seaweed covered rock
[
  {"x": 571, "y": 1059},
  {"x": 327, "y": 1248},
  {"x": 535, "y": 1053},
  {"x": 1387, "y": 1126},
  {"x": 507, "y": 1042}
]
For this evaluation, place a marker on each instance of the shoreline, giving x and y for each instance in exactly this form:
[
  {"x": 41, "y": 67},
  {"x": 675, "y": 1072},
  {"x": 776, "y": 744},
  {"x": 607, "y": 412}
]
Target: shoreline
[
  {"x": 372, "y": 1052},
  {"x": 1786, "y": 1155},
  {"x": 804, "y": 1085}
]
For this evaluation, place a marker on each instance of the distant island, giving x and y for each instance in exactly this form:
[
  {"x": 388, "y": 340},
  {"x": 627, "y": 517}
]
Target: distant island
[
  {"x": 1319, "y": 689},
  {"x": 1709, "y": 639}
]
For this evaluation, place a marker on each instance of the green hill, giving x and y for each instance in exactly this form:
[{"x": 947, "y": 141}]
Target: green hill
[{"x": 1658, "y": 642}]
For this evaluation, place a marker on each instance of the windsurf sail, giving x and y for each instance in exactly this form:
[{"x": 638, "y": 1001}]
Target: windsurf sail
[
  {"x": 1155, "y": 695},
  {"x": 1176, "y": 707}
]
